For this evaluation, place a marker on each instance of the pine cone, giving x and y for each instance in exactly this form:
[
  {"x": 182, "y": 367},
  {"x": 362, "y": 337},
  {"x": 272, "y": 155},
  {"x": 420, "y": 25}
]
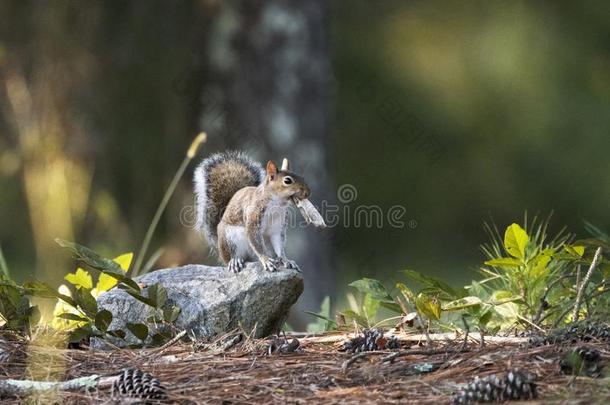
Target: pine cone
[
  {"x": 369, "y": 340},
  {"x": 137, "y": 384},
  {"x": 283, "y": 345},
  {"x": 582, "y": 360},
  {"x": 514, "y": 385}
]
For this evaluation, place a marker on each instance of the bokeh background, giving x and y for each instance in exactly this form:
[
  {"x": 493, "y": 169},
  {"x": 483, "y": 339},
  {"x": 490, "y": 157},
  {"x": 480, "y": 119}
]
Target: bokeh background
[{"x": 461, "y": 112}]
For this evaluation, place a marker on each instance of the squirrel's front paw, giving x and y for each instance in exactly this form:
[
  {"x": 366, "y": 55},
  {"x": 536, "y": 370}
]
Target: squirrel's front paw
[
  {"x": 269, "y": 264},
  {"x": 290, "y": 264},
  {"x": 236, "y": 265}
]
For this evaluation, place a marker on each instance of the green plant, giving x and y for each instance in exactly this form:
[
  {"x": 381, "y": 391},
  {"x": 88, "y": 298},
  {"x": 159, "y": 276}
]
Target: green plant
[
  {"x": 92, "y": 322},
  {"x": 77, "y": 310},
  {"x": 545, "y": 273},
  {"x": 16, "y": 312},
  {"x": 529, "y": 279},
  {"x": 523, "y": 262}
]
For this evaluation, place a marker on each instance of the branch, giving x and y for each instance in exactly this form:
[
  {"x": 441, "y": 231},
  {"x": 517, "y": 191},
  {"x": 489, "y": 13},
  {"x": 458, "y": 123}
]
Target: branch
[
  {"x": 537, "y": 318},
  {"x": 585, "y": 281},
  {"x": 24, "y": 387}
]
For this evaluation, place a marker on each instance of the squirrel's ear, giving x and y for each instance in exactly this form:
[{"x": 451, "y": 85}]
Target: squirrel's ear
[
  {"x": 271, "y": 170},
  {"x": 285, "y": 165}
]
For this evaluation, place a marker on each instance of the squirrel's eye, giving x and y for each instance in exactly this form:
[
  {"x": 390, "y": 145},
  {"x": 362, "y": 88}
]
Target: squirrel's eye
[{"x": 288, "y": 180}]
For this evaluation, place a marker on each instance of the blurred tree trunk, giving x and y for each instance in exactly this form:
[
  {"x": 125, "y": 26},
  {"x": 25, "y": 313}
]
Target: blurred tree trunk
[{"x": 267, "y": 93}]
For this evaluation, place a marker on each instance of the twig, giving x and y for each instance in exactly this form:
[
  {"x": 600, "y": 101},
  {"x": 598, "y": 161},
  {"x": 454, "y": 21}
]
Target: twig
[
  {"x": 355, "y": 358},
  {"x": 585, "y": 281},
  {"x": 427, "y": 352},
  {"x": 172, "y": 342},
  {"x": 467, "y": 329}
]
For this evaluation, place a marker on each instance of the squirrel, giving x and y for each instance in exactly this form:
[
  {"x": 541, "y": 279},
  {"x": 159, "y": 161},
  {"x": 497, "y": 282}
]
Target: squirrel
[{"x": 242, "y": 208}]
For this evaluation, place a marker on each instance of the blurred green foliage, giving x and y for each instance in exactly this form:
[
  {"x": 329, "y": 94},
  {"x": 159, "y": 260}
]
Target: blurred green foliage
[{"x": 516, "y": 94}]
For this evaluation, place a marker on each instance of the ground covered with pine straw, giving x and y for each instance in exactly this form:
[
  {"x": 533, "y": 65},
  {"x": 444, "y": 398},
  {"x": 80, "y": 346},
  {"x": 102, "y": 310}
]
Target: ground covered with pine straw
[{"x": 241, "y": 370}]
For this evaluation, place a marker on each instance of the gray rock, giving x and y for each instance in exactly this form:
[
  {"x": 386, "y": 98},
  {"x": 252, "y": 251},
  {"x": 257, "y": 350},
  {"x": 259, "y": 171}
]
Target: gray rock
[{"x": 212, "y": 300}]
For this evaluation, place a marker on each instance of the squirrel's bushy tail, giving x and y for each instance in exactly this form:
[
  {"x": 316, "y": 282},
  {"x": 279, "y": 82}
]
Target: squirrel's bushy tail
[{"x": 217, "y": 179}]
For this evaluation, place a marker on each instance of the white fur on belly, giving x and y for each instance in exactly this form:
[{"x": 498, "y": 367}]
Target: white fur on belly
[{"x": 273, "y": 225}]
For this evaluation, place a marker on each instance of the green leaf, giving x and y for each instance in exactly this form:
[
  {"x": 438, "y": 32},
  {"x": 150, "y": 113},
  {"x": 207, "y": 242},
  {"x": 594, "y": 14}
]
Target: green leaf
[
  {"x": 141, "y": 298},
  {"x": 372, "y": 287},
  {"x": 72, "y": 317},
  {"x": 351, "y": 315},
  {"x": 539, "y": 264},
  {"x": 82, "y": 333},
  {"x": 42, "y": 290},
  {"x": 81, "y": 278},
  {"x": 157, "y": 294},
  {"x": 139, "y": 330},
  {"x": 485, "y": 317},
  {"x": 10, "y": 293},
  {"x": 435, "y": 285},
  {"x": 86, "y": 302},
  {"x": 160, "y": 338},
  {"x": 106, "y": 282},
  {"x": 124, "y": 261},
  {"x": 435, "y": 307},
  {"x": 406, "y": 292},
  {"x": 509, "y": 262},
  {"x": 370, "y": 307},
  {"x": 576, "y": 251},
  {"x": 95, "y": 261},
  {"x": 501, "y": 297},
  {"x": 117, "y": 333},
  {"x": 103, "y": 320},
  {"x": 515, "y": 241},
  {"x": 392, "y": 306},
  {"x": 428, "y": 306},
  {"x": 170, "y": 314},
  {"x": 324, "y": 318},
  {"x": 462, "y": 303}
]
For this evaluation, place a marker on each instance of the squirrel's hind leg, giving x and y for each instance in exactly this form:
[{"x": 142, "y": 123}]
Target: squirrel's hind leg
[{"x": 233, "y": 246}]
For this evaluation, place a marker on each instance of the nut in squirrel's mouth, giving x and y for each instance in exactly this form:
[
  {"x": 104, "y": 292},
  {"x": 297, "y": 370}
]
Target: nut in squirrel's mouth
[
  {"x": 296, "y": 199},
  {"x": 309, "y": 212}
]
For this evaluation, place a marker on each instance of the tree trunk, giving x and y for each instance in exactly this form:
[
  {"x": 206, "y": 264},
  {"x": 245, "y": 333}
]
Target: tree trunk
[{"x": 267, "y": 93}]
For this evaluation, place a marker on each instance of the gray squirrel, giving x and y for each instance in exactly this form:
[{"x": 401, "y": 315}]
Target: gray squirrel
[{"x": 242, "y": 209}]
